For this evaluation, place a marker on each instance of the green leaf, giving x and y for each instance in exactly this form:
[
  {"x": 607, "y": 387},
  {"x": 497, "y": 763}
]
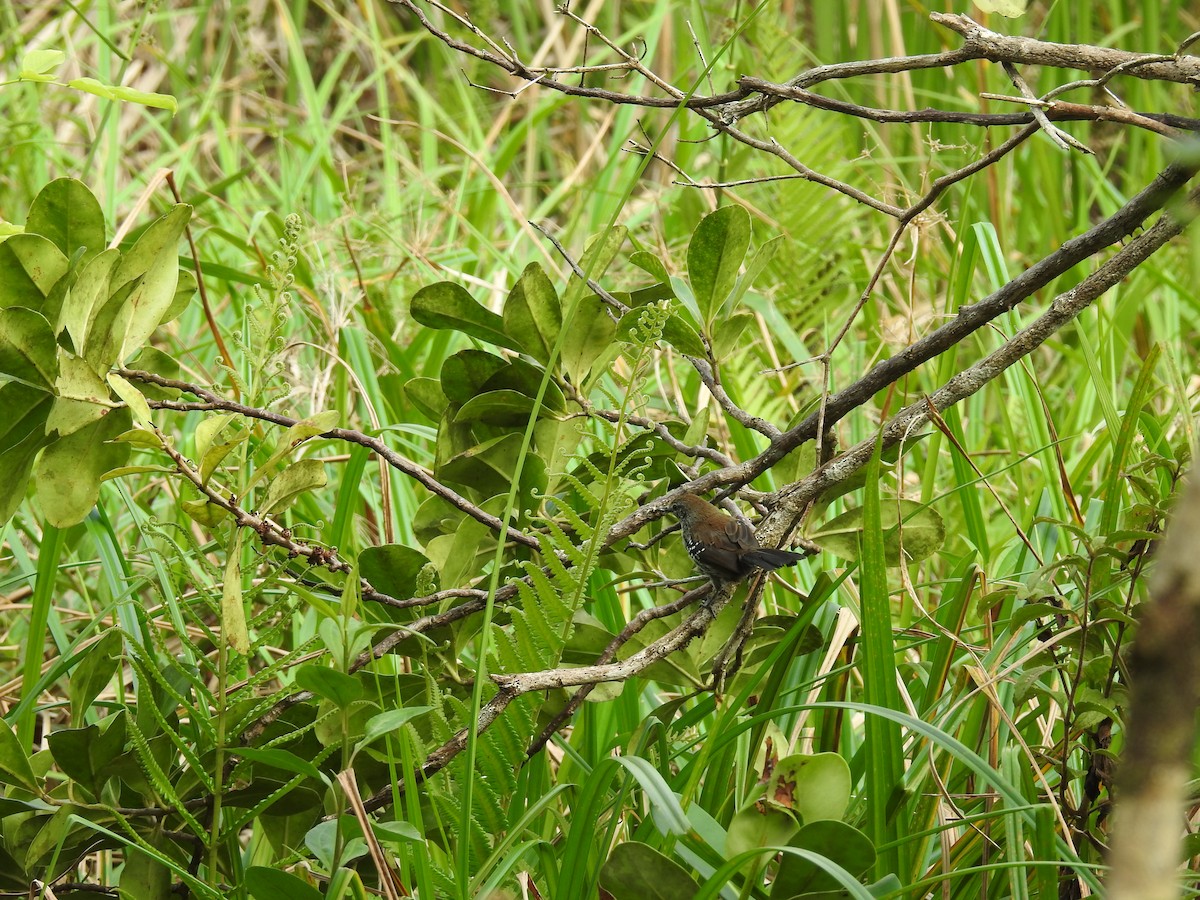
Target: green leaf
[
  {"x": 601, "y": 250},
  {"x": 299, "y": 478},
  {"x": 146, "y": 98},
  {"x": 533, "y": 313},
  {"x": 67, "y": 213},
  {"x": 155, "y": 260},
  {"x": 923, "y": 533},
  {"x": 107, "y": 325},
  {"x": 465, "y": 373},
  {"x": 836, "y": 841},
  {"x": 22, "y": 435},
  {"x": 208, "y": 431},
  {"x": 592, "y": 332},
  {"x": 388, "y": 721},
  {"x": 392, "y": 568},
  {"x": 651, "y": 264},
  {"x": 503, "y": 408},
  {"x": 727, "y": 332},
  {"x": 759, "y": 261},
  {"x": 489, "y": 468},
  {"x": 30, "y": 266},
  {"x": 277, "y": 758},
  {"x": 90, "y": 287},
  {"x": 664, "y": 802},
  {"x": 96, "y": 668},
  {"x": 336, "y": 687},
  {"x": 274, "y": 884},
  {"x": 715, "y": 255},
  {"x": 71, "y": 469},
  {"x": 455, "y": 554},
  {"x": 427, "y": 396},
  {"x": 134, "y": 399},
  {"x": 144, "y": 877},
  {"x": 28, "y": 352},
  {"x": 233, "y": 606},
  {"x": 36, "y": 64},
  {"x": 752, "y": 828},
  {"x": 185, "y": 290},
  {"x": 312, "y": 426},
  {"x": 816, "y": 787},
  {"x": 636, "y": 871},
  {"x": 446, "y": 305},
  {"x": 86, "y": 754},
  {"x": 82, "y": 398},
  {"x": 91, "y": 86},
  {"x": 14, "y": 763},
  {"x": 51, "y": 838},
  {"x": 397, "y": 832},
  {"x": 202, "y": 512},
  {"x": 683, "y": 337},
  {"x": 142, "y": 438}
]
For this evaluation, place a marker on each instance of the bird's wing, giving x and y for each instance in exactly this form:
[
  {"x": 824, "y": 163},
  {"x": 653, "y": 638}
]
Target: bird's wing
[
  {"x": 740, "y": 534},
  {"x": 722, "y": 558}
]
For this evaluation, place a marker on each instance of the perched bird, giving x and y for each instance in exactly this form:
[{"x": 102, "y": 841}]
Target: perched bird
[{"x": 723, "y": 548}]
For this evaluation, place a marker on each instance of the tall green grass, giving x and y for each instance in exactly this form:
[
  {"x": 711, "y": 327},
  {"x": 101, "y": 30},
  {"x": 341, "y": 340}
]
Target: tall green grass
[{"x": 945, "y": 699}]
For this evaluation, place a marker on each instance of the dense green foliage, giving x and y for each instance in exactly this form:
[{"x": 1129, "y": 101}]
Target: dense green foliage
[{"x": 219, "y": 506}]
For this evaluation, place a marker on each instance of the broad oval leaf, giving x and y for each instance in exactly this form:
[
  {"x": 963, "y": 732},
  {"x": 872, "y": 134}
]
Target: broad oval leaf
[
  {"x": 90, "y": 288},
  {"x": 82, "y": 397},
  {"x": 465, "y": 372},
  {"x": 591, "y": 333},
  {"x": 752, "y": 828},
  {"x": 838, "y": 842},
  {"x": 336, "y": 687},
  {"x": 648, "y": 262},
  {"x": 636, "y": 871},
  {"x": 426, "y": 395},
  {"x": 300, "y": 477},
  {"x": 601, "y": 250},
  {"x": 22, "y": 435},
  {"x": 390, "y": 720},
  {"x": 392, "y": 568},
  {"x": 816, "y": 787},
  {"x": 446, "y": 305},
  {"x": 71, "y": 469},
  {"x": 38, "y": 63},
  {"x": 155, "y": 260},
  {"x": 96, "y": 667},
  {"x": 28, "y": 351},
  {"x": 68, "y": 214},
  {"x": 715, "y": 254},
  {"x": 923, "y": 533},
  {"x": 14, "y": 762},
  {"x": 533, "y": 313},
  {"x": 683, "y": 337},
  {"x": 504, "y": 408},
  {"x": 278, "y": 758},
  {"x": 274, "y": 884}
]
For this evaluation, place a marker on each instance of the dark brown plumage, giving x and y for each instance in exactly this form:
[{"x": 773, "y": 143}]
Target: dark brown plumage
[{"x": 723, "y": 548}]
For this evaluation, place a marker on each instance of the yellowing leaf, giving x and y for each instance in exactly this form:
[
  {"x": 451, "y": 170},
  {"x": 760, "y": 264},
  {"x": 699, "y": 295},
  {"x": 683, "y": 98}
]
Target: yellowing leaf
[
  {"x": 1010, "y": 8},
  {"x": 91, "y": 86},
  {"x": 298, "y": 478},
  {"x": 38, "y": 64}
]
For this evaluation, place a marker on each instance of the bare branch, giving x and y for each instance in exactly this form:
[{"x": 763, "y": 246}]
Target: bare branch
[{"x": 213, "y": 401}]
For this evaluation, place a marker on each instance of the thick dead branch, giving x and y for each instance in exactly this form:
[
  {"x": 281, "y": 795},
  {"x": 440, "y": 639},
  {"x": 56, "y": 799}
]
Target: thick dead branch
[{"x": 1152, "y": 779}]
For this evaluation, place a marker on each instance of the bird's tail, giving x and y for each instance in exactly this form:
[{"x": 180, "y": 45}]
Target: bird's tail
[{"x": 767, "y": 558}]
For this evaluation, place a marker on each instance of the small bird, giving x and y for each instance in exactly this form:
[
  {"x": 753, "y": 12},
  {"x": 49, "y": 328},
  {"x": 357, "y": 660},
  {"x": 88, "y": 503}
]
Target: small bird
[{"x": 724, "y": 548}]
